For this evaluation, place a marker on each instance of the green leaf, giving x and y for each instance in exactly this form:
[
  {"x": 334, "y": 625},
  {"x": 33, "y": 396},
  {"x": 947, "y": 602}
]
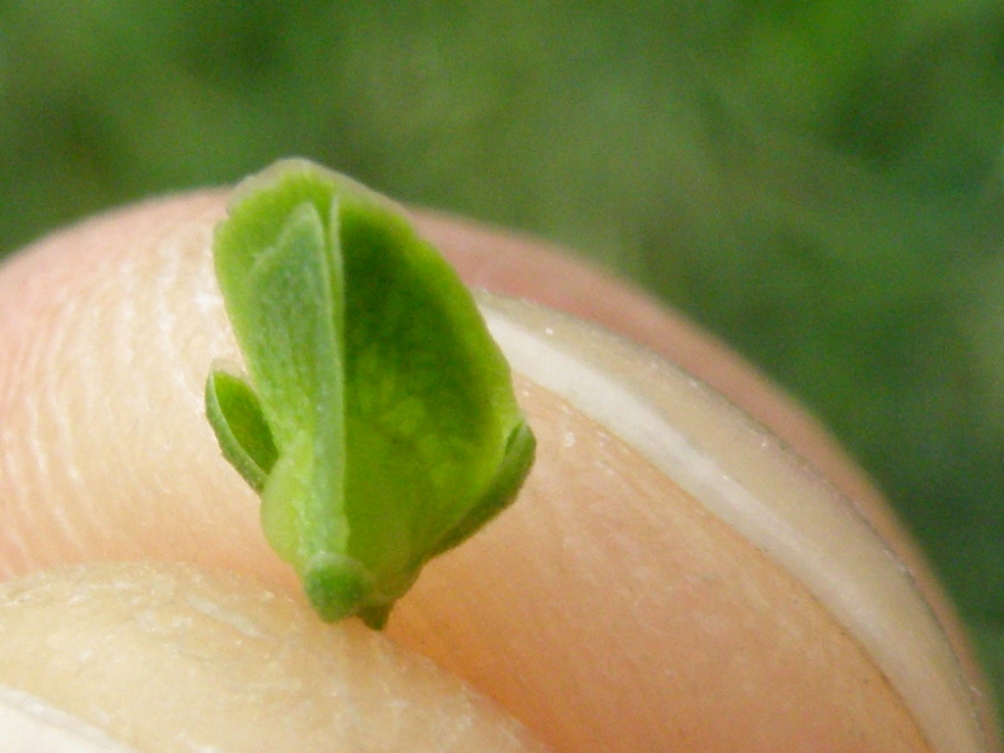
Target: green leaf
[
  {"x": 377, "y": 420},
  {"x": 235, "y": 414}
]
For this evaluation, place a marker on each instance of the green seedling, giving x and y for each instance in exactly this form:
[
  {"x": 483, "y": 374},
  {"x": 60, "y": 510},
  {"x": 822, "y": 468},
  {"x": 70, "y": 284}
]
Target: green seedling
[{"x": 374, "y": 415}]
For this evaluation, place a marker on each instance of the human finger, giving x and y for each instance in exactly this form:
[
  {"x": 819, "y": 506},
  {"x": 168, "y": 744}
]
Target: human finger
[{"x": 595, "y": 590}]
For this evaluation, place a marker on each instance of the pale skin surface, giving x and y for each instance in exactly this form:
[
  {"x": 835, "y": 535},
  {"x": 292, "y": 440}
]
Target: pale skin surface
[
  {"x": 256, "y": 671},
  {"x": 104, "y": 454}
]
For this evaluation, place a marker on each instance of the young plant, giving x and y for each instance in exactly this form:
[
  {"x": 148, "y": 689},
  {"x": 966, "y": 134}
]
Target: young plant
[{"x": 376, "y": 418}]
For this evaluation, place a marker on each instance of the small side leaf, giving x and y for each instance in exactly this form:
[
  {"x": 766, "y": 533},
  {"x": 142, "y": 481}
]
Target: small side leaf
[
  {"x": 235, "y": 415},
  {"x": 520, "y": 450}
]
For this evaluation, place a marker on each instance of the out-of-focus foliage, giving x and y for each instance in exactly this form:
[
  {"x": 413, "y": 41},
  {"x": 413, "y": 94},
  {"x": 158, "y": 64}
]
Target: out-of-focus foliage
[{"x": 820, "y": 182}]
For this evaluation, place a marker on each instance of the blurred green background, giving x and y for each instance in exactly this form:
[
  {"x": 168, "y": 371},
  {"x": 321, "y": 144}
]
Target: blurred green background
[{"x": 819, "y": 182}]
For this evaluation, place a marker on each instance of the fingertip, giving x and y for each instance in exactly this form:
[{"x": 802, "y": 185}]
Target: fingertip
[{"x": 171, "y": 657}]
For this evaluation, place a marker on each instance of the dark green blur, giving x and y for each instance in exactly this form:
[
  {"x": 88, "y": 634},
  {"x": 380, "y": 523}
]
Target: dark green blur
[{"x": 820, "y": 182}]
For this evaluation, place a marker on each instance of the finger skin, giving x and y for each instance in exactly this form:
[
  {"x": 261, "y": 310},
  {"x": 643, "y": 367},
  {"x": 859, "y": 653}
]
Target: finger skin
[
  {"x": 30, "y": 724},
  {"x": 172, "y": 658},
  {"x": 111, "y": 327}
]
